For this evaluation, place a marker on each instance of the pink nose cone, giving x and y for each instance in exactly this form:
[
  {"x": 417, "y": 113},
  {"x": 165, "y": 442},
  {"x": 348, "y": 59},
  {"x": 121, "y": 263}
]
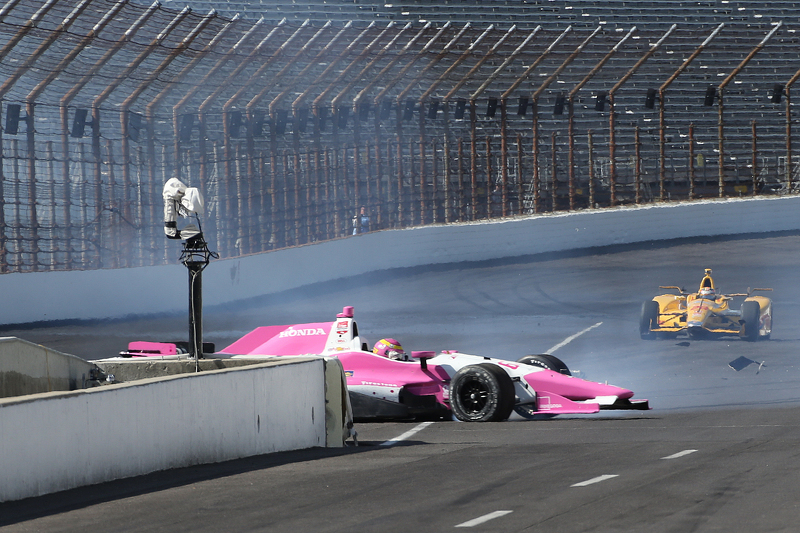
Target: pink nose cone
[{"x": 573, "y": 388}]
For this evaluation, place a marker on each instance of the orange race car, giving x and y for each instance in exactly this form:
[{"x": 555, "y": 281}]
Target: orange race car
[{"x": 706, "y": 313}]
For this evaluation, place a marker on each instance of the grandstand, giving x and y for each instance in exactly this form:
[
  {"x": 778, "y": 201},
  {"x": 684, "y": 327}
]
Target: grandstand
[
  {"x": 290, "y": 116},
  {"x": 526, "y": 14}
]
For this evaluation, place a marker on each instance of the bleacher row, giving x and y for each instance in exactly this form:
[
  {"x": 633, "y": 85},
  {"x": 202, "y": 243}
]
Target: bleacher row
[{"x": 526, "y": 13}]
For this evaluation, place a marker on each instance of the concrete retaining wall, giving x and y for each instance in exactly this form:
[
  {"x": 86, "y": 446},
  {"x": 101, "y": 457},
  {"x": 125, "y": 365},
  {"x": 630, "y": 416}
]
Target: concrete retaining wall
[
  {"x": 63, "y": 295},
  {"x": 28, "y": 368},
  {"x": 60, "y": 440}
]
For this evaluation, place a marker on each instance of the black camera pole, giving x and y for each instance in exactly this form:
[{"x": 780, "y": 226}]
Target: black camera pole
[{"x": 195, "y": 256}]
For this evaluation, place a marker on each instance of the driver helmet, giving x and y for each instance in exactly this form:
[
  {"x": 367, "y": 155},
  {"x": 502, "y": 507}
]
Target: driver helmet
[
  {"x": 708, "y": 293},
  {"x": 390, "y": 348}
]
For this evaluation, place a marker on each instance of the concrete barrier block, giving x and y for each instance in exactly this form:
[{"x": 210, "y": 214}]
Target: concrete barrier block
[
  {"x": 60, "y": 440},
  {"x": 28, "y": 368},
  {"x": 339, "y": 426}
]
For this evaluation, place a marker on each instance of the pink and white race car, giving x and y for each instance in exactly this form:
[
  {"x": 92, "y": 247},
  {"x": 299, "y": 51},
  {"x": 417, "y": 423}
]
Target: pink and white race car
[{"x": 437, "y": 385}]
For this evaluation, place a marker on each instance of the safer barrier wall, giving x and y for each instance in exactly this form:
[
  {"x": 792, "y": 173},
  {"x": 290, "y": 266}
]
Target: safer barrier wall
[
  {"x": 135, "y": 291},
  {"x": 60, "y": 440}
]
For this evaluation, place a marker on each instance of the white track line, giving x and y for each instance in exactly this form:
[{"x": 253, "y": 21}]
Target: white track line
[
  {"x": 484, "y": 518},
  {"x": 594, "y": 480},
  {"x": 407, "y": 434},
  {"x": 679, "y": 454},
  {"x": 572, "y": 338}
]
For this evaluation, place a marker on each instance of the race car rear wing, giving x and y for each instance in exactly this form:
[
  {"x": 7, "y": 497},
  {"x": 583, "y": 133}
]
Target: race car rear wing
[
  {"x": 749, "y": 292},
  {"x": 681, "y": 290}
]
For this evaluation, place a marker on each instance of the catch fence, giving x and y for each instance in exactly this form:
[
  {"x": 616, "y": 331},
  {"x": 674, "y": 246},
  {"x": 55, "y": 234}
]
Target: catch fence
[{"x": 289, "y": 129}]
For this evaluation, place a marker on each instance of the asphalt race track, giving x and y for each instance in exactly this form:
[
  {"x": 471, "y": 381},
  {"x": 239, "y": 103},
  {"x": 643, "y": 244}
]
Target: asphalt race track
[{"x": 718, "y": 451}]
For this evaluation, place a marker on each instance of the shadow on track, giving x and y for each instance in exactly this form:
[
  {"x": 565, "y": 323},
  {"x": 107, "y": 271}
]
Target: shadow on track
[{"x": 19, "y": 511}]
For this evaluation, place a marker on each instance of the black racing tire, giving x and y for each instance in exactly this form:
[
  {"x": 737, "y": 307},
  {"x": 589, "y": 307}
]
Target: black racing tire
[
  {"x": 648, "y": 319},
  {"x": 751, "y": 312},
  {"x": 482, "y": 393},
  {"x": 544, "y": 360}
]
